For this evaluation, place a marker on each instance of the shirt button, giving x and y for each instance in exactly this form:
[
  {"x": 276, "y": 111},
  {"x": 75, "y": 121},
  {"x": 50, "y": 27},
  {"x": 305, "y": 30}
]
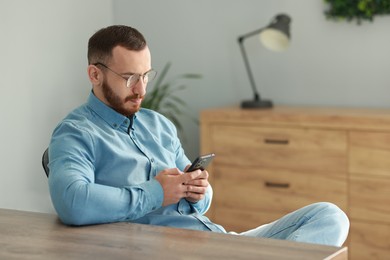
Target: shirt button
[
  {"x": 152, "y": 160},
  {"x": 115, "y": 125}
]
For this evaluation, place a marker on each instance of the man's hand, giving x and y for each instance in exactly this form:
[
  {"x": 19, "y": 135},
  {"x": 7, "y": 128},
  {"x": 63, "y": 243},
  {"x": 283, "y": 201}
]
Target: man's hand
[
  {"x": 197, "y": 188},
  {"x": 177, "y": 185}
]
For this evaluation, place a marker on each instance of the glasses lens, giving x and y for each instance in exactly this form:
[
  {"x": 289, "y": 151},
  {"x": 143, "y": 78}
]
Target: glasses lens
[
  {"x": 148, "y": 77},
  {"x": 133, "y": 79}
]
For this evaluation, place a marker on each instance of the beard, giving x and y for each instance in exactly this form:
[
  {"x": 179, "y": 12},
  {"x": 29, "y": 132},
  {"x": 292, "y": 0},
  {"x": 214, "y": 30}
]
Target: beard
[{"x": 119, "y": 104}]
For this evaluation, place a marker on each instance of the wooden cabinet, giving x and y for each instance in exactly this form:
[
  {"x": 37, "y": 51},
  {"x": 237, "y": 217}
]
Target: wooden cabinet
[
  {"x": 369, "y": 180},
  {"x": 273, "y": 161}
]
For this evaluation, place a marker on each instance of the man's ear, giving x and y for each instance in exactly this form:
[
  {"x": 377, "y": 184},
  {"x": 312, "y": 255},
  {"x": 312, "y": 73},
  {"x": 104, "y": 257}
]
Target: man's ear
[{"x": 94, "y": 74}]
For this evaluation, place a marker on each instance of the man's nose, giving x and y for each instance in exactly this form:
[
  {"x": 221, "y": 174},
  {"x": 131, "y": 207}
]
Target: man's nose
[{"x": 140, "y": 88}]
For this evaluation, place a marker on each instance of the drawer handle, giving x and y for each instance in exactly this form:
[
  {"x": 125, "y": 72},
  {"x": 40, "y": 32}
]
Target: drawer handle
[
  {"x": 277, "y": 185},
  {"x": 276, "y": 141}
]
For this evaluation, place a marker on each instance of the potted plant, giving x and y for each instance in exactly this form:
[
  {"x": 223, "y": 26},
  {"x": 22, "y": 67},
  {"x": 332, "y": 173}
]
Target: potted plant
[
  {"x": 356, "y": 9},
  {"x": 161, "y": 97}
]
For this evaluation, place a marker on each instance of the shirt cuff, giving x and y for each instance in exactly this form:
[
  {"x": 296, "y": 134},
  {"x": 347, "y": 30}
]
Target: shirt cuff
[{"x": 155, "y": 193}]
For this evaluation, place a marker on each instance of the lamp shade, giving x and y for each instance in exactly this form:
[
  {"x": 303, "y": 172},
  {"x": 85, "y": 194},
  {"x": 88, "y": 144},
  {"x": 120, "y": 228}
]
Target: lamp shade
[{"x": 276, "y": 36}]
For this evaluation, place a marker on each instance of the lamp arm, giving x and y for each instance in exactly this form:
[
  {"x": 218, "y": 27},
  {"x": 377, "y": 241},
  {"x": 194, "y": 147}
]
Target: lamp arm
[
  {"x": 242, "y": 37},
  {"x": 245, "y": 57}
]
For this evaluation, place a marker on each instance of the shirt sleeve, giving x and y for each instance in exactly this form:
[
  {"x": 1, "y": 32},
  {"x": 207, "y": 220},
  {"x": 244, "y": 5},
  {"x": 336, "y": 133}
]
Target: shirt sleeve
[
  {"x": 203, "y": 205},
  {"x": 76, "y": 197}
]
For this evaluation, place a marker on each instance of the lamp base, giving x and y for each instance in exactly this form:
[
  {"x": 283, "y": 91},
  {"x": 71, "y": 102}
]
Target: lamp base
[{"x": 257, "y": 104}]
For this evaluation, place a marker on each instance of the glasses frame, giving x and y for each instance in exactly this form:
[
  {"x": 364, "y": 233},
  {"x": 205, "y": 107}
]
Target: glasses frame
[{"x": 130, "y": 78}]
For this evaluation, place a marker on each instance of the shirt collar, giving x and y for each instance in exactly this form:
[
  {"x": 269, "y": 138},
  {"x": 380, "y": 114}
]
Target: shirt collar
[{"x": 113, "y": 118}]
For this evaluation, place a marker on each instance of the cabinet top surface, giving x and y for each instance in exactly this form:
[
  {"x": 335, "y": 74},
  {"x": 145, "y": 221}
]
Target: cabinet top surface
[{"x": 329, "y": 117}]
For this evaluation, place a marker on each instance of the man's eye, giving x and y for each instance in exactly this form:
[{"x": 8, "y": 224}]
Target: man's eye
[{"x": 129, "y": 76}]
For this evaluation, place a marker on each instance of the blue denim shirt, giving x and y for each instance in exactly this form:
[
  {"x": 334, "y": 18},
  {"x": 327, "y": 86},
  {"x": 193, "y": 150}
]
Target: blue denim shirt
[{"x": 103, "y": 164}]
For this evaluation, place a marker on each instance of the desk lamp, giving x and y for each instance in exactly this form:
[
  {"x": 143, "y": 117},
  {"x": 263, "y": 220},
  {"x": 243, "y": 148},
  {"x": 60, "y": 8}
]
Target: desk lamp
[{"x": 275, "y": 37}]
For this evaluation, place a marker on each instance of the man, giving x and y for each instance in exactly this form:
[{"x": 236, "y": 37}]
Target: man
[{"x": 112, "y": 161}]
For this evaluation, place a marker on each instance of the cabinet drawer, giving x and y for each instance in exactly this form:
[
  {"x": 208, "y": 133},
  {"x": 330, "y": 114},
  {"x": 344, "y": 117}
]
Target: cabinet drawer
[
  {"x": 369, "y": 241},
  {"x": 292, "y": 148},
  {"x": 369, "y": 153},
  {"x": 370, "y": 198},
  {"x": 275, "y": 191}
]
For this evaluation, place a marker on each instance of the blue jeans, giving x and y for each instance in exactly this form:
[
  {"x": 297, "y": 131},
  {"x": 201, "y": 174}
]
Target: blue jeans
[{"x": 319, "y": 223}]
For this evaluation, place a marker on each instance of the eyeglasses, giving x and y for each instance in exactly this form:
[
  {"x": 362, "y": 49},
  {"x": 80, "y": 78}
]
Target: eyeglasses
[{"x": 133, "y": 78}]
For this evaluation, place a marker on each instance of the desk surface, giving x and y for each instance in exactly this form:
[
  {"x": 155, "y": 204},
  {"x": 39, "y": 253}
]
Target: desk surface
[{"x": 28, "y": 235}]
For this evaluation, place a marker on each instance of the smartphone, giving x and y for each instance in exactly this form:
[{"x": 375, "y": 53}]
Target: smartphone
[{"x": 201, "y": 162}]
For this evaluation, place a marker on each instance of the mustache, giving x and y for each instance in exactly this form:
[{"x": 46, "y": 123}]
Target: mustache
[{"x": 136, "y": 96}]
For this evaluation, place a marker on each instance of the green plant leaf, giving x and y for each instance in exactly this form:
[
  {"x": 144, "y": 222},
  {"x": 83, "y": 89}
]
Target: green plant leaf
[
  {"x": 162, "y": 97},
  {"x": 356, "y": 9}
]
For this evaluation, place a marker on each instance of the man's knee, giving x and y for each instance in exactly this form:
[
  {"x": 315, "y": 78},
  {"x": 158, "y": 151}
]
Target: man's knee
[
  {"x": 336, "y": 218},
  {"x": 333, "y": 211}
]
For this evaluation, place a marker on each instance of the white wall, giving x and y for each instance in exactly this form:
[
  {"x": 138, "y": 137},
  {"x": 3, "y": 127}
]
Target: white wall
[
  {"x": 43, "y": 66},
  {"x": 327, "y": 64},
  {"x": 43, "y": 76}
]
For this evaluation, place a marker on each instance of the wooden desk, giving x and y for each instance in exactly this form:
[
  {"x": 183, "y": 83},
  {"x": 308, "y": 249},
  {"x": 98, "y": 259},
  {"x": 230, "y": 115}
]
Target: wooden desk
[{"x": 28, "y": 235}]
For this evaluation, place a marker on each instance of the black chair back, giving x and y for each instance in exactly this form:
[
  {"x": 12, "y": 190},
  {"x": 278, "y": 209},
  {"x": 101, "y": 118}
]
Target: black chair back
[{"x": 45, "y": 161}]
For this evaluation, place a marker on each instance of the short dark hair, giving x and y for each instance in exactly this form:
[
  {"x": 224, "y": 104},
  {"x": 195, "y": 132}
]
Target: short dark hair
[{"x": 100, "y": 44}]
